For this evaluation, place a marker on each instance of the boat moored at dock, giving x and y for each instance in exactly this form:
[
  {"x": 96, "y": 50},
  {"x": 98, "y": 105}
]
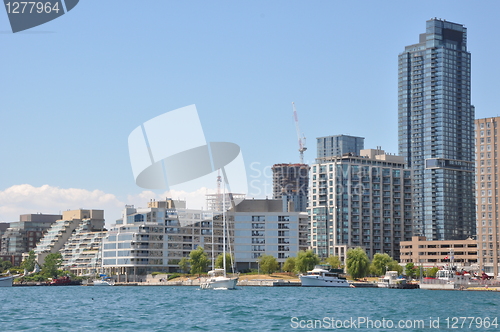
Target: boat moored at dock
[
  {"x": 6, "y": 281},
  {"x": 324, "y": 276},
  {"x": 392, "y": 280}
]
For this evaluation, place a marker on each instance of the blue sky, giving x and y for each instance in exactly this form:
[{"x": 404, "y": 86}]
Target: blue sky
[{"x": 73, "y": 89}]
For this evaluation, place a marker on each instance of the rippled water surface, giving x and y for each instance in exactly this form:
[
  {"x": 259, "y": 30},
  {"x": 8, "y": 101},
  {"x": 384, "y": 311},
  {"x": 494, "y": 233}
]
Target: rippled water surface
[{"x": 167, "y": 308}]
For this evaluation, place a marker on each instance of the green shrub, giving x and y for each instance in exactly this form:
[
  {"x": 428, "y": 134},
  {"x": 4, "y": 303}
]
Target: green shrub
[{"x": 172, "y": 276}]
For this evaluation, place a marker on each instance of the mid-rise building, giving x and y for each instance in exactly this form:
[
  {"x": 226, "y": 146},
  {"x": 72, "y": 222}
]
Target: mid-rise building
[
  {"x": 291, "y": 185},
  {"x": 82, "y": 252},
  {"x": 3, "y": 228},
  {"x": 338, "y": 145},
  {"x": 436, "y": 133},
  {"x": 156, "y": 238},
  {"x": 487, "y": 175},
  {"x": 62, "y": 230},
  {"x": 360, "y": 201},
  {"x": 262, "y": 227},
  {"x": 461, "y": 254},
  {"x": 22, "y": 236}
]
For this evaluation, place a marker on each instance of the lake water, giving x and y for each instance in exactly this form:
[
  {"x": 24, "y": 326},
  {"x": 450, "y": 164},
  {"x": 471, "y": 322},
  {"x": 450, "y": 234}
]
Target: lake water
[{"x": 167, "y": 308}]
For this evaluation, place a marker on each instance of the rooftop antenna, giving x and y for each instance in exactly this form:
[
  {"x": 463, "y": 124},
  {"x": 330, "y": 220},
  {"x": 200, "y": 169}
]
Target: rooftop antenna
[{"x": 302, "y": 139}]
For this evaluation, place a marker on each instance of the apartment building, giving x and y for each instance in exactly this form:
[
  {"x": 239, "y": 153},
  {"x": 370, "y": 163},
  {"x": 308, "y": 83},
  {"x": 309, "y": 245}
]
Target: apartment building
[
  {"x": 360, "y": 201},
  {"x": 62, "y": 230},
  {"x": 487, "y": 177}
]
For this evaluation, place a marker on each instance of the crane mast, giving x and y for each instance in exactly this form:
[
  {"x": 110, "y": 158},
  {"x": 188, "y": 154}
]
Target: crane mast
[{"x": 302, "y": 139}]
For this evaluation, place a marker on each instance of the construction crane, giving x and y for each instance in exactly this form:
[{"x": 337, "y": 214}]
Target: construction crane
[{"x": 302, "y": 139}]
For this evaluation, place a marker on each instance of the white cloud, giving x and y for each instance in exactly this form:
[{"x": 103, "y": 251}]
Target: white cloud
[{"x": 25, "y": 199}]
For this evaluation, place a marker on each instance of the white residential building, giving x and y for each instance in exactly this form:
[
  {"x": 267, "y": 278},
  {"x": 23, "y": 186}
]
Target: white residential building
[
  {"x": 262, "y": 228},
  {"x": 156, "y": 238},
  {"x": 62, "y": 230}
]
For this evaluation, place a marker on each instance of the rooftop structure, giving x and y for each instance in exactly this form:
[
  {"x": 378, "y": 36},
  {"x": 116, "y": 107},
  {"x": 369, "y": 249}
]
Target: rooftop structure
[{"x": 338, "y": 145}]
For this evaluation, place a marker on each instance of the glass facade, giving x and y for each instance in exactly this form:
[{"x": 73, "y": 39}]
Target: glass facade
[
  {"x": 291, "y": 184},
  {"x": 338, "y": 145},
  {"x": 436, "y": 133}
]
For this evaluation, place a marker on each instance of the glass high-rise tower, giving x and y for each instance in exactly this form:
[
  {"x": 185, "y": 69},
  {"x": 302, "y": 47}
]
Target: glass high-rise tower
[
  {"x": 338, "y": 145},
  {"x": 436, "y": 130}
]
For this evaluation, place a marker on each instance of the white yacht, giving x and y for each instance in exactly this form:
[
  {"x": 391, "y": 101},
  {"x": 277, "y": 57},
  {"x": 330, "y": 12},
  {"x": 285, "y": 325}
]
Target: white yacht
[
  {"x": 6, "y": 281},
  {"x": 391, "y": 280},
  {"x": 324, "y": 276}
]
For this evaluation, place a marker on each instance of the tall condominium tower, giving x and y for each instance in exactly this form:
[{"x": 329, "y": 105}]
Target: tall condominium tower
[
  {"x": 291, "y": 184},
  {"x": 436, "y": 130},
  {"x": 337, "y": 145},
  {"x": 488, "y": 231}
]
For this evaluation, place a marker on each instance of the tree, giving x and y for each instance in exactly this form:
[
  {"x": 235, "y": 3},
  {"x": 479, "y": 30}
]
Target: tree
[
  {"x": 394, "y": 266},
  {"x": 419, "y": 271},
  {"x": 184, "y": 264},
  {"x": 219, "y": 262},
  {"x": 432, "y": 272},
  {"x": 289, "y": 265},
  {"x": 5, "y": 265},
  {"x": 357, "y": 263},
  {"x": 52, "y": 264},
  {"x": 199, "y": 261},
  {"x": 410, "y": 270},
  {"x": 334, "y": 262},
  {"x": 306, "y": 260},
  {"x": 29, "y": 263},
  {"x": 268, "y": 264},
  {"x": 382, "y": 263}
]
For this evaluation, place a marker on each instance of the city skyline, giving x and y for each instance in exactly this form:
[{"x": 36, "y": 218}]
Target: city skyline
[{"x": 74, "y": 90}]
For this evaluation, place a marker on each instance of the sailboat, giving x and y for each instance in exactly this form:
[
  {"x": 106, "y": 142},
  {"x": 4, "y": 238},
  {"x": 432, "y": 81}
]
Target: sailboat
[
  {"x": 104, "y": 281},
  {"x": 217, "y": 278}
]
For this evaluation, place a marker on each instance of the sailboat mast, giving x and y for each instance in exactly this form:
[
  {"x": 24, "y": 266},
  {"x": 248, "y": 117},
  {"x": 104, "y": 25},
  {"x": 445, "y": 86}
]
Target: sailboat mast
[
  {"x": 213, "y": 257},
  {"x": 215, "y": 209},
  {"x": 224, "y": 226}
]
